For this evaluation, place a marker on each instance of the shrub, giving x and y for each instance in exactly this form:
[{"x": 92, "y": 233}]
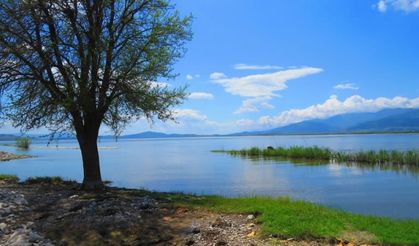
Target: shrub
[{"x": 23, "y": 142}]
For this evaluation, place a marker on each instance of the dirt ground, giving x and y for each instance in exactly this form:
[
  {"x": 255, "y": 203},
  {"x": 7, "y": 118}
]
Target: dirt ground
[{"x": 39, "y": 214}]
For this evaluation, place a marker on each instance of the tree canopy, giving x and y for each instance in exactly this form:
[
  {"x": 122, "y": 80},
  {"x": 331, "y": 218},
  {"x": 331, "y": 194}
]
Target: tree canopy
[
  {"x": 62, "y": 61},
  {"x": 72, "y": 65}
]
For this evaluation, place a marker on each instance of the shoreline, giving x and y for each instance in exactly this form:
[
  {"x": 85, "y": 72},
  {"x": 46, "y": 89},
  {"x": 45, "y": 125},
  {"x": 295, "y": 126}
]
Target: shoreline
[
  {"x": 55, "y": 209},
  {"x": 6, "y": 156}
]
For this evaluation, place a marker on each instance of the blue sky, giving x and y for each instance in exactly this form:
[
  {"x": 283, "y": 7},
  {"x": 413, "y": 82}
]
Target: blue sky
[{"x": 261, "y": 64}]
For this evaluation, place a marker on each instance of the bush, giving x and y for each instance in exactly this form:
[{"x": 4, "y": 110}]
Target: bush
[{"x": 23, "y": 142}]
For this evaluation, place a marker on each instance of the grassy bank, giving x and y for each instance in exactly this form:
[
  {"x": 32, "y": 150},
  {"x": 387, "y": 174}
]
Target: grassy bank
[
  {"x": 284, "y": 218},
  {"x": 281, "y": 218},
  {"x": 9, "y": 178},
  {"x": 324, "y": 154}
]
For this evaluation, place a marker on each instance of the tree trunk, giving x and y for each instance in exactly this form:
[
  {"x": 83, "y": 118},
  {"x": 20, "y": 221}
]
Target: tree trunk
[{"x": 92, "y": 180}]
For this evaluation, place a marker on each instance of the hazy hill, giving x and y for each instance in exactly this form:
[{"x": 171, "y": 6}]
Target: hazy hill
[{"x": 388, "y": 120}]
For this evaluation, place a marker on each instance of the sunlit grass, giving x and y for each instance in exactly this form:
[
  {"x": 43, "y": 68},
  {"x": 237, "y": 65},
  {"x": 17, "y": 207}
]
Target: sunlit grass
[
  {"x": 9, "y": 178},
  {"x": 285, "y": 218}
]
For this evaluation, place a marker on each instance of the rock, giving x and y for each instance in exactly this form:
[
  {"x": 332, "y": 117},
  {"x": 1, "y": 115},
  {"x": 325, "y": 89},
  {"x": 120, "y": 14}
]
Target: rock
[
  {"x": 20, "y": 200},
  {"x": 251, "y": 217},
  {"x": 252, "y": 234},
  {"x": 34, "y": 237},
  {"x": 73, "y": 196},
  {"x": 18, "y": 238},
  {"x": 3, "y": 226}
]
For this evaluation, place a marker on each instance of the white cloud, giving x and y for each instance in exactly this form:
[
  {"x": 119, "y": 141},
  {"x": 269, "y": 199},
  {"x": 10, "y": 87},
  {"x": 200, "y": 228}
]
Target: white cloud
[
  {"x": 261, "y": 85},
  {"x": 333, "y": 106},
  {"x": 194, "y": 121},
  {"x": 242, "y": 66},
  {"x": 382, "y": 6},
  {"x": 402, "y": 5},
  {"x": 217, "y": 75},
  {"x": 346, "y": 86},
  {"x": 201, "y": 95},
  {"x": 254, "y": 105},
  {"x": 190, "y": 114},
  {"x": 191, "y": 77}
]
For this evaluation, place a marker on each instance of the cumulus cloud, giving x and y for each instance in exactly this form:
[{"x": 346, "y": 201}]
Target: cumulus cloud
[
  {"x": 189, "y": 114},
  {"x": 261, "y": 85},
  {"x": 194, "y": 121},
  {"x": 201, "y": 95},
  {"x": 333, "y": 106},
  {"x": 217, "y": 75},
  {"x": 346, "y": 86},
  {"x": 242, "y": 66},
  {"x": 254, "y": 105},
  {"x": 402, "y": 5}
]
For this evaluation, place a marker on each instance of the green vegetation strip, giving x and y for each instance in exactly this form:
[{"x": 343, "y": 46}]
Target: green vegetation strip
[
  {"x": 284, "y": 218},
  {"x": 9, "y": 178},
  {"x": 395, "y": 157}
]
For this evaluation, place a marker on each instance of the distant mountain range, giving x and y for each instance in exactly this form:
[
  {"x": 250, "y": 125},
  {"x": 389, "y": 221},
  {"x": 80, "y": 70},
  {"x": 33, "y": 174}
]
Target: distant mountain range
[
  {"x": 388, "y": 120},
  {"x": 385, "y": 121}
]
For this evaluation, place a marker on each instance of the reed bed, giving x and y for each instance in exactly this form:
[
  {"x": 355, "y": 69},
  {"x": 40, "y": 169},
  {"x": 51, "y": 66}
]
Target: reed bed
[{"x": 410, "y": 157}]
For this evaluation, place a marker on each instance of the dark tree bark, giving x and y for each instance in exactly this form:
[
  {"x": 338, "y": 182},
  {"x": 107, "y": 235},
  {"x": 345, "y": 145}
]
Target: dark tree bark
[{"x": 87, "y": 138}]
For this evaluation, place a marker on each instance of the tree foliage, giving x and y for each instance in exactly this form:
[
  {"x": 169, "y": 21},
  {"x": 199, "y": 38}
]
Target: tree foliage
[{"x": 71, "y": 64}]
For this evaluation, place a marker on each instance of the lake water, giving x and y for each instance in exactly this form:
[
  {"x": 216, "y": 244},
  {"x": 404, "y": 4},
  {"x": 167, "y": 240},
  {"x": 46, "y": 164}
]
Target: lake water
[{"x": 188, "y": 165}]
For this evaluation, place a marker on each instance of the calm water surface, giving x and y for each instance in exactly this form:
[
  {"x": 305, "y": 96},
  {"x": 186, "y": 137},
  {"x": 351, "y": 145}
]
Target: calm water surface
[{"x": 188, "y": 165}]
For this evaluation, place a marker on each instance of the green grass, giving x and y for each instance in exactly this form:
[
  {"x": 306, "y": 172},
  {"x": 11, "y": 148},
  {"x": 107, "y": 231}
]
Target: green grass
[
  {"x": 23, "y": 142},
  {"x": 9, "y": 178},
  {"x": 284, "y": 218},
  {"x": 393, "y": 157},
  {"x": 54, "y": 180}
]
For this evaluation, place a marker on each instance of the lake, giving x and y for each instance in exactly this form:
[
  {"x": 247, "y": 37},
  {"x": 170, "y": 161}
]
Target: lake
[{"x": 188, "y": 165}]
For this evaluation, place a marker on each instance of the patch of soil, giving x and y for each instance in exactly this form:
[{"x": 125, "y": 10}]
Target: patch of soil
[{"x": 64, "y": 215}]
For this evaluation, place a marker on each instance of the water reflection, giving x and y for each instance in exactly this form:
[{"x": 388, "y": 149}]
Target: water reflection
[{"x": 382, "y": 166}]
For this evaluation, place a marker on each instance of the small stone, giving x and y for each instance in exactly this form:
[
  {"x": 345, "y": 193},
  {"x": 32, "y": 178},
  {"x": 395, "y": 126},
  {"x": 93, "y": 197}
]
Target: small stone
[
  {"x": 252, "y": 234},
  {"x": 34, "y": 237},
  {"x": 73, "y": 196},
  {"x": 3, "y": 226},
  {"x": 251, "y": 217},
  {"x": 167, "y": 218}
]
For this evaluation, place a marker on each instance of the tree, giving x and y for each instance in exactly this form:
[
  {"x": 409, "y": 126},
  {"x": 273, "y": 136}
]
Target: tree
[{"x": 73, "y": 65}]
